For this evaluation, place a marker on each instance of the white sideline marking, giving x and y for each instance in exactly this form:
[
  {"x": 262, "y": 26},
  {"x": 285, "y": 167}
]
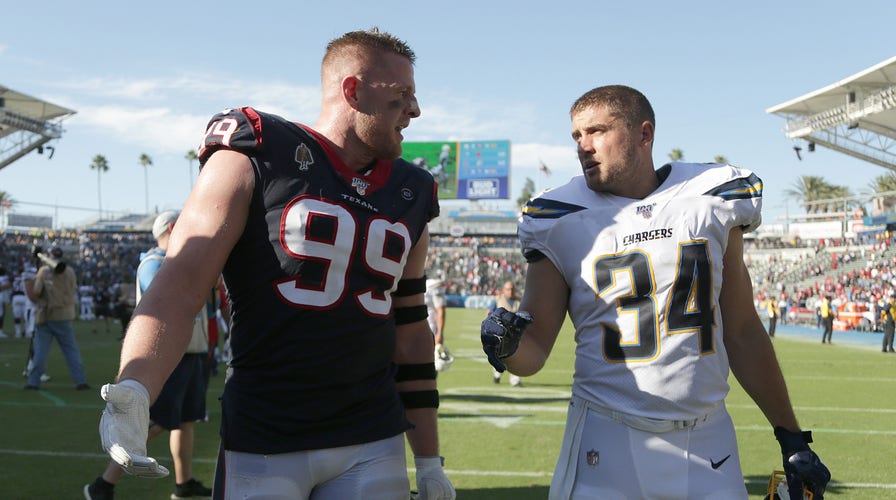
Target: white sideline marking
[{"x": 455, "y": 472}]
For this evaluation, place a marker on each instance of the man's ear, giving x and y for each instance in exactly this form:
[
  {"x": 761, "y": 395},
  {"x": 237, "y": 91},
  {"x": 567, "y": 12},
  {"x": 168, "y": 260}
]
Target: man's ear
[
  {"x": 350, "y": 90},
  {"x": 647, "y": 133}
]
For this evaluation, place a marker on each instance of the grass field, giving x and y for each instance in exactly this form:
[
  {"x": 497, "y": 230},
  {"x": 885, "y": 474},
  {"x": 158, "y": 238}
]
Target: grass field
[{"x": 500, "y": 442}]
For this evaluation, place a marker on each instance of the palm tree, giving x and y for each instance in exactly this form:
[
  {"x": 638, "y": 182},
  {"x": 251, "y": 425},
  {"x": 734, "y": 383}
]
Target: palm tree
[
  {"x": 100, "y": 164},
  {"x": 146, "y": 161},
  {"x": 818, "y": 195},
  {"x": 884, "y": 184},
  {"x": 676, "y": 155},
  {"x": 191, "y": 157},
  {"x": 6, "y": 202},
  {"x": 527, "y": 192}
]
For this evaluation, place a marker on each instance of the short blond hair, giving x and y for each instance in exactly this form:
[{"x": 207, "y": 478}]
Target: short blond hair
[
  {"x": 625, "y": 102},
  {"x": 369, "y": 41}
]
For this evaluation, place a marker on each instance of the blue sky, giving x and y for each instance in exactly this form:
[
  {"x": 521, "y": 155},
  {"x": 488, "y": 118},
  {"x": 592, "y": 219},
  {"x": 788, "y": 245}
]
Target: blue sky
[{"x": 145, "y": 77}]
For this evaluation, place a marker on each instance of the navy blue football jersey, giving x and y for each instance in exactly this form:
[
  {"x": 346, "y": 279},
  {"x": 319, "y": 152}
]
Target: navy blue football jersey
[{"x": 310, "y": 283}]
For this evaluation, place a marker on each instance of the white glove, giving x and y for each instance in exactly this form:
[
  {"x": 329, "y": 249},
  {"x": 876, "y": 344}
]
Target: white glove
[
  {"x": 124, "y": 428},
  {"x": 432, "y": 483}
]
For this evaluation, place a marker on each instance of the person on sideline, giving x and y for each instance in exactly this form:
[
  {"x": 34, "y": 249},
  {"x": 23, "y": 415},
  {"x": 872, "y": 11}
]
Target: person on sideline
[
  {"x": 436, "y": 303},
  {"x": 52, "y": 290},
  {"x": 182, "y": 399},
  {"x": 773, "y": 312},
  {"x": 22, "y": 306},
  {"x": 321, "y": 234},
  {"x": 828, "y": 312},
  {"x": 888, "y": 322},
  {"x": 5, "y": 291},
  {"x": 508, "y": 299},
  {"x": 649, "y": 266}
]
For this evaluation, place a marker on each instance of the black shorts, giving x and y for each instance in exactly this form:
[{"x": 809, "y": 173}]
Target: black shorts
[
  {"x": 101, "y": 310},
  {"x": 183, "y": 397}
]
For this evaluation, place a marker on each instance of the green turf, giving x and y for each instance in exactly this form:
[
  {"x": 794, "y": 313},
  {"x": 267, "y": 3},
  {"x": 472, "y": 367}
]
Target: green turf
[{"x": 500, "y": 442}]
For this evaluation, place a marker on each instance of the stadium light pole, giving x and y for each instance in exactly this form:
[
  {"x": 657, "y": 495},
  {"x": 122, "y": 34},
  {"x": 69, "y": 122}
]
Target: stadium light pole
[{"x": 146, "y": 161}]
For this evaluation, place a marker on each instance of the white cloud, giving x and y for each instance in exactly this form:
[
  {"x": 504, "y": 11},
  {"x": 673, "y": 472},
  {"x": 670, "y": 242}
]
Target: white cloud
[{"x": 160, "y": 129}]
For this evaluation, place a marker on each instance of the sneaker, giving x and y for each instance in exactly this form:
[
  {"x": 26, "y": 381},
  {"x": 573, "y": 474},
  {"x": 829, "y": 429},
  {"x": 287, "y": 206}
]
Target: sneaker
[
  {"x": 99, "y": 490},
  {"x": 82, "y": 387},
  {"x": 191, "y": 489},
  {"x": 44, "y": 378},
  {"x": 3, "y": 335},
  {"x": 32, "y": 388}
]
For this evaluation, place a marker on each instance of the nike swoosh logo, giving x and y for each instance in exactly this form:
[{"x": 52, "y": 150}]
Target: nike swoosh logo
[{"x": 716, "y": 465}]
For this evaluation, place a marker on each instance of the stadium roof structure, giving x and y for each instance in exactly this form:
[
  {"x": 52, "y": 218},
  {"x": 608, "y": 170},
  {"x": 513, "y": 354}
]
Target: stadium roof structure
[
  {"x": 855, "y": 116},
  {"x": 26, "y": 124}
]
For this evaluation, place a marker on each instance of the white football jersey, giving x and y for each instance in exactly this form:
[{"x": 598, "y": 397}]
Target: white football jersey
[{"x": 645, "y": 277}]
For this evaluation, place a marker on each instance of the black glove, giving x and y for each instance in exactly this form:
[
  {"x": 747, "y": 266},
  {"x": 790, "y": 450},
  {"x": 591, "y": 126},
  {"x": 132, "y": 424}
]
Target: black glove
[
  {"x": 501, "y": 333},
  {"x": 802, "y": 466},
  {"x": 36, "y": 250}
]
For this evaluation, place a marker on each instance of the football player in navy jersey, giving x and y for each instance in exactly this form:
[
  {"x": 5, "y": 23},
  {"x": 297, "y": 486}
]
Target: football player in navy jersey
[
  {"x": 321, "y": 234},
  {"x": 649, "y": 266}
]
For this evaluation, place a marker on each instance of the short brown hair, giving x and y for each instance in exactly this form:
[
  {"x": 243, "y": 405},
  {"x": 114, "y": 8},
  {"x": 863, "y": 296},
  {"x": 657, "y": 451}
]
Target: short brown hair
[
  {"x": 620, "y": 100},
  {"x": 371, "y": 40}
]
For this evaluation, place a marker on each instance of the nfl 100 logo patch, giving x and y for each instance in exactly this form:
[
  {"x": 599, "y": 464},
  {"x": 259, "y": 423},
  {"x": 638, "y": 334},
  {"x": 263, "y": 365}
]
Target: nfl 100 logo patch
[
  {"x": 645, "y": 211},
  {"x": 592, "y": 457},
  {"x": 360, "y": 185}
]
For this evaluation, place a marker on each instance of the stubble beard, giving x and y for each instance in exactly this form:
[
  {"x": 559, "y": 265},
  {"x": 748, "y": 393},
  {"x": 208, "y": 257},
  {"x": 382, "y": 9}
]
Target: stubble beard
[
  {"x": 380, "y": 140},
  {"x": 613, "y": 178}
]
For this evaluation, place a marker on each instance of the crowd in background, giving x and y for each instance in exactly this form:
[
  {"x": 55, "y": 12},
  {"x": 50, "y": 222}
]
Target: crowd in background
[
  {"x": 857, "y": 272},
  {"x": 857, "y": 276},
  {"x": 104, "y": 262}
]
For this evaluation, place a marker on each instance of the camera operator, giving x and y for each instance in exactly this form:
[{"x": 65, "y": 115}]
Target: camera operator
[{"x": 53, "y": 291}]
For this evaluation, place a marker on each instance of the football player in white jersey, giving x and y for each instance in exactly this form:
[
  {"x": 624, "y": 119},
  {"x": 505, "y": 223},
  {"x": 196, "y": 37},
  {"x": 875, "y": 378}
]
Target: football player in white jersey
[
  {"x": 5, "y": 286},
  {"x": 649, "y": 265},
  {"x": 434, "y": 298},
  {"x": 85, "y": 299},
  {"x": 22, "y": 307}
]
